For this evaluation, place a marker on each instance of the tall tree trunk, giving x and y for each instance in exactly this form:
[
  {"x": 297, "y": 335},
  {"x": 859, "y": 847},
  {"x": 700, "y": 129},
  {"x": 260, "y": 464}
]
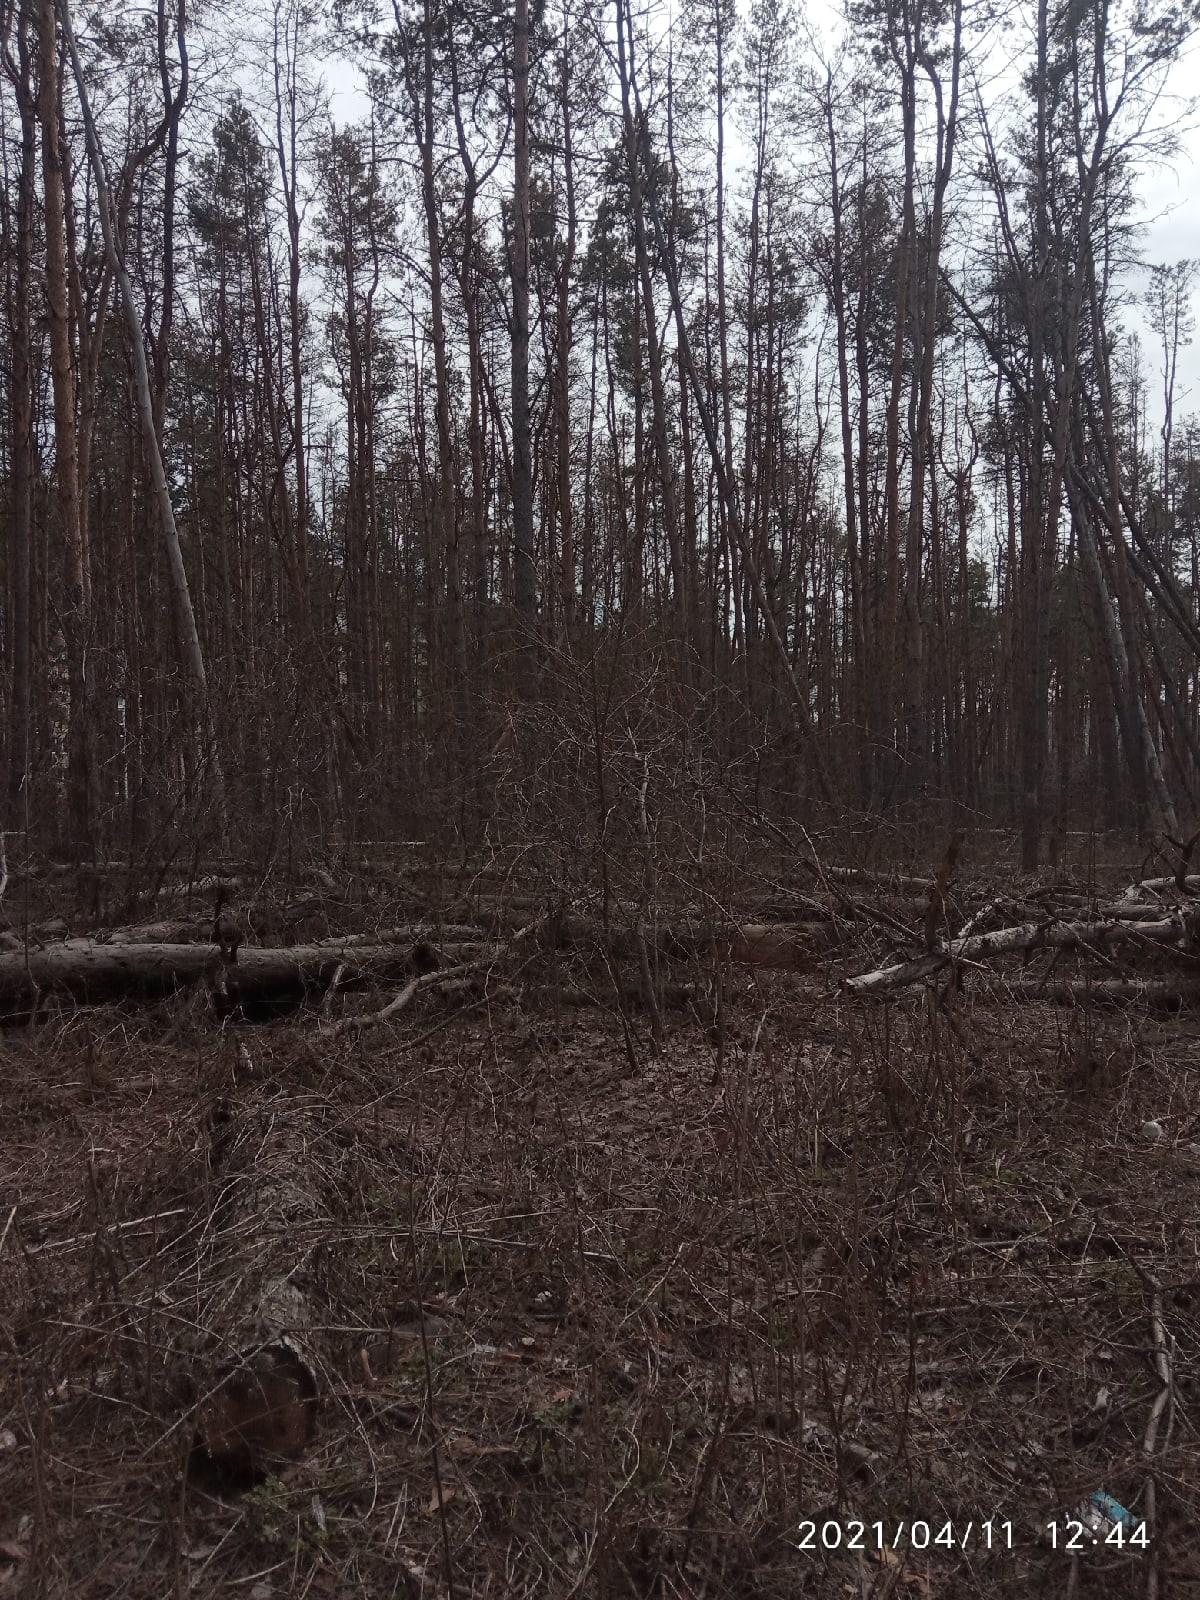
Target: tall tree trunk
[
  {"x": 658, "y": 400},
  {"x": 445, "y": 538},
  {"x": 286, "y": 139},
  {"x": 75, "y": 620},
  {"x": 725, "y": 396},
  {"x": 856, "y": 629},
  {"x": 892, "y": 652},
  {"x": 562, "y": 367},
  {"x": 524, "y": 575},
  {"x": 1036, "y": 556},
  {"x": 21, "y": 402},
  {"x": 174, "y": 101},
  {"x": 925, "y": 343}
]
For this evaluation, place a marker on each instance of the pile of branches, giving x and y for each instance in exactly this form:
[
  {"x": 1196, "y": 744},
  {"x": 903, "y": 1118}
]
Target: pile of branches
[{"x": 1072, "y": 947}]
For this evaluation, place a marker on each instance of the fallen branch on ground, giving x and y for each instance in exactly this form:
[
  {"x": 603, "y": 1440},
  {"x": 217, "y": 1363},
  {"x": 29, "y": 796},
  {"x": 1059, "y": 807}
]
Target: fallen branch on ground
[
  {"x": 981, "y": 947},
  {"x": 429, "y": 980}
]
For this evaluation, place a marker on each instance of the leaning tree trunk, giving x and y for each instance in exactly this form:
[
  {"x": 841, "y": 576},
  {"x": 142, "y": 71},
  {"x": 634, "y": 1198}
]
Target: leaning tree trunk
[
  {"x": 21, "y": 408},
  {"x": 189, "y": 635}
]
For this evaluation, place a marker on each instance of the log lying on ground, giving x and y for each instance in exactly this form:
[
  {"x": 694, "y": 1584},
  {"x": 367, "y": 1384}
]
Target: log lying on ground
[
  {"x": 89, "y": 971},
  {"x": 199, "y": 931},
  {"x": 406, "y": 933},
  {"x": 1167, "y": 994},
  {"x": 788, "y": 946},
  {"x": 876, "y": 880},
  {"x": 1189, "y": 885},
  {"x": 1027, "y": 936},
  {"x": 176, "y": 932},
  {"x": 793, "y": 948},
  {"x": 254, "y": 1324}
]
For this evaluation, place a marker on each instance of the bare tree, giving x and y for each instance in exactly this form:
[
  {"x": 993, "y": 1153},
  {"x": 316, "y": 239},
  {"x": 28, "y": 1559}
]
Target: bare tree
[{"x": 76, "y": 607}]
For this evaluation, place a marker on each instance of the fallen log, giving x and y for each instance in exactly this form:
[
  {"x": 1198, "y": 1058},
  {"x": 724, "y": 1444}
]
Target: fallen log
[
  {"x": 1187, "y": 885},
  {"x": 93, "y": 971},
  {"x": 782, "y": 945},
  {"x": 414, "y": 986},
  {"x": 785, "y": 947},
  {"x": 252, "y": 1320},
  {"x": 1067, "y": 936},
  {"x": 1027, "y": 936},
  {"x": 1167, "y": 994},
  {"x": 199, "y": 931},
  {"x": 876, "y": 880},
  {"x": 885, "y": 979},
  {"x": 410, "y": 933},
  {"x": 90, "y": 971}
]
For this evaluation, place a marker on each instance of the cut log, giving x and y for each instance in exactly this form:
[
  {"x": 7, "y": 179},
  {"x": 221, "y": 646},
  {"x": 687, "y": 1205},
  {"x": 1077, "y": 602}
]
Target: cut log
[{"x": 260, "y": 1410}]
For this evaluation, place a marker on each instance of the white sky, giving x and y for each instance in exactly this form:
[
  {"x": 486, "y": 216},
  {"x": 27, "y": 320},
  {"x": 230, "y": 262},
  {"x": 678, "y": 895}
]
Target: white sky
[{"x": 1172, "y": 204}]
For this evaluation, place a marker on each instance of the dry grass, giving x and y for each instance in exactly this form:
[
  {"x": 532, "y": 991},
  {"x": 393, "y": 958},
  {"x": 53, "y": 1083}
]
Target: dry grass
[{"x": 604, "y": 1327}]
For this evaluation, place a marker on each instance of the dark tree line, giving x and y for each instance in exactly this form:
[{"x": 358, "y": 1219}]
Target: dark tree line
[{"x": 610, "y": 379}]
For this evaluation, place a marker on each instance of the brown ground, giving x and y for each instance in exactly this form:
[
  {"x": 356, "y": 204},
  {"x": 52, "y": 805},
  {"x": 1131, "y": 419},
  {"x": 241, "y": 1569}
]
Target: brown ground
[{"x": 601, "y": 1324}]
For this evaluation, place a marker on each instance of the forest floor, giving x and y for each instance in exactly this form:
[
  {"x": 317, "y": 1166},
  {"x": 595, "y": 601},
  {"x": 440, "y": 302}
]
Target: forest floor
[{"x": 844, "y": 1299}]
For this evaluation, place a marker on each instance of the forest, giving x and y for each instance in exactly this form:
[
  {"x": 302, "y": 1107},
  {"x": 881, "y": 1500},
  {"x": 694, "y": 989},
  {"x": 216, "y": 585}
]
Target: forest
[
  {"x": 599, "y": 753},
  {"x": 675, "y": 379}
]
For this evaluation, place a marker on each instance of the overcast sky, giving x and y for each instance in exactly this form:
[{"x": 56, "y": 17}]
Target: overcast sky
[{"x": 1172, "y": 202}]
